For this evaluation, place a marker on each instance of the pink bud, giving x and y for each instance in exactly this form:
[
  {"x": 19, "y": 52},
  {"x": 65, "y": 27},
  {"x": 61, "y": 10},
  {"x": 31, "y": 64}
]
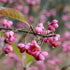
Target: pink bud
[
  {"x": 41, "y": 57},
  {"x": 11, "y": 39},
  {"x": 7, "y": 49},
  {"x": 50, "y": 27},
  {"x": 57, "y": 37},
  {"x": 54, "y": 21},
  {"x": 20, "y": 45},
  {"x": 7, "y": 41},
  {"x": 7, "y": 23},
  {"x": 45, "y": 40},
  {"x": 22, "y": 50},
  {"x": 11, "y": 33},
  {"x": 7, "y": 34},
  {"x": 41, "y": 25},
  {"x": 45, "y": 54},
  {"x": 38, "y": 30},
  {"x": 55, "y": 25},
  {"x": 10, "y": 22}
]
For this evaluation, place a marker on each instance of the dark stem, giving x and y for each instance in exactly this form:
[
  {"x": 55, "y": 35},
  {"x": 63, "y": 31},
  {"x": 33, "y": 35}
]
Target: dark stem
[{"x": 26, "y": 31}]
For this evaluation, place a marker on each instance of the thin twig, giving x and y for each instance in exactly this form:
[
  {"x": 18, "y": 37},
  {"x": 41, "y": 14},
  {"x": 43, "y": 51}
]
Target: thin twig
[{"x": 26, "y": 31}]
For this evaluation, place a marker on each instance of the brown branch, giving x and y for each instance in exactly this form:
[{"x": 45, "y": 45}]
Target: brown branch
[{"x": 26, "y": 31}]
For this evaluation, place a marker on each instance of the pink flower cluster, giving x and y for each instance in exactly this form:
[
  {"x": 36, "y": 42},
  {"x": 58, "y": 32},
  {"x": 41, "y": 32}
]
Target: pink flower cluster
[
  {"x": 7, "y": 49},
  {"x": 39, "y": 28},
  {"x": 10, "y": 36},
  {"x": 53, "y": 25},
  {"x": 52, "y": 40},
  {"x": 6, "y": 23},
  {"x": 33, "y": 49}
]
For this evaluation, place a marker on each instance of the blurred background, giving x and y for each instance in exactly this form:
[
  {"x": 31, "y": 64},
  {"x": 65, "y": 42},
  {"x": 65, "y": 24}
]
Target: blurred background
[{"x": 37, "y": 11}]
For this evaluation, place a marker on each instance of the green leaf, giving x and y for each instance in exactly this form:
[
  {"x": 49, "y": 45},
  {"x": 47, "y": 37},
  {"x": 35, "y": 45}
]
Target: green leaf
[
  {"x": 29, "y": 58},
  {"x": 16, "y": 50},
  {"x": 10, "y": 12},
  {"x": 2, "y": 34}
]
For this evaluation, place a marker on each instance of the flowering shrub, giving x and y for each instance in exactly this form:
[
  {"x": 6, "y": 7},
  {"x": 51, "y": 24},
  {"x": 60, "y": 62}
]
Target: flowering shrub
[{"x": 29, "y": 35}]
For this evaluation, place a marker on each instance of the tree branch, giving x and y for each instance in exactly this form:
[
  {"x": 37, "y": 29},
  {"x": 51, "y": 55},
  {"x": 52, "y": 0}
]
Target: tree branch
[{"x": 26, "y": 31}]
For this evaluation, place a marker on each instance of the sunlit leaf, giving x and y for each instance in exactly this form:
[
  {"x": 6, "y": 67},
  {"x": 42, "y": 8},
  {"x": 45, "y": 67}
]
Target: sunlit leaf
[
  {"x": 10, "y": 12},
  {"x": 29, "y": 58},
  {"x": 2, "y": 34},
  {"x": 16, "y": 50}
]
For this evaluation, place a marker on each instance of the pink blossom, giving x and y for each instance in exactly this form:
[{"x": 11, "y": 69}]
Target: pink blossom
[
  {"x": 7, "y": 23},
  {"x": 21, "y": 47},
  {"x": 7, "y": 49},
  {"x": 38, "y": 30}
]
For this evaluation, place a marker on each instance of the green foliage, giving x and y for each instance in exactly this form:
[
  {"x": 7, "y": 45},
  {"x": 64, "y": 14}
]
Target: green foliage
[
  {"x": 2, "y": 34},
  {"x": 16, "y": 50},
  {"x": 29, "y": 58},
  {"x": 10, "y": 12}
]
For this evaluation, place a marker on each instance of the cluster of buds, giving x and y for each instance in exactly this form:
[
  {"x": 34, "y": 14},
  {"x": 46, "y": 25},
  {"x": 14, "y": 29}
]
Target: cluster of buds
[
  {"x": 52, "y": 40},
  {"x": 10, "y": 36},
  {"x": 33, "y": 49},
  {"x": 7, "y": 49},
  {"x": 53, "y": 25},
  {"x": 6, "y": 23},
  {"x": 39, "y": 28}
]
